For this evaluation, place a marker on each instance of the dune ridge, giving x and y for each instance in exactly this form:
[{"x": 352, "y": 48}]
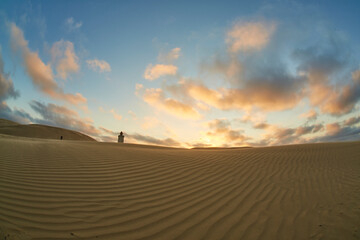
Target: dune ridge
[
  {"x": 52, "y": 189},
  {"x": 40, "y": 131}
]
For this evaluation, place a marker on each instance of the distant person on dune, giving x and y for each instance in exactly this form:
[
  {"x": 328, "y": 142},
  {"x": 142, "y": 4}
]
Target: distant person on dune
[{"x": 121, "y": 137}]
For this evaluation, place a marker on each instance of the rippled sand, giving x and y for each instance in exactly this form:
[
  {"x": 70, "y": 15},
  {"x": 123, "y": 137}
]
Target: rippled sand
[{"x": 51, "y": 189}]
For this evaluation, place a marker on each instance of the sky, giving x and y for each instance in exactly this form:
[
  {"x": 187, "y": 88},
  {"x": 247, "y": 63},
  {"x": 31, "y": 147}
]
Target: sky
[{"x": 184, "y": 73}]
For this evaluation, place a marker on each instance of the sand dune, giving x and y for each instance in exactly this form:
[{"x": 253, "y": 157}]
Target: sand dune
[
  {"x": 51, "y": 189},
  {"x": 40, "y": 131}
]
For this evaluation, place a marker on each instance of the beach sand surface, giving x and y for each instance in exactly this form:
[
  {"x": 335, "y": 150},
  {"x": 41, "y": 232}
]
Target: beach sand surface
[{"x": 52, "y": 189}]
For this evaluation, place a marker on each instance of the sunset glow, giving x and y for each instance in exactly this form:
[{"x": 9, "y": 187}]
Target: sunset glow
[{"x": 184, "y": 74}]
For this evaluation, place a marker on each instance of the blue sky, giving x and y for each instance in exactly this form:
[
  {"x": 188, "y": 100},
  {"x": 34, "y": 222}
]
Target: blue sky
[{"x": 186, "y": 73}]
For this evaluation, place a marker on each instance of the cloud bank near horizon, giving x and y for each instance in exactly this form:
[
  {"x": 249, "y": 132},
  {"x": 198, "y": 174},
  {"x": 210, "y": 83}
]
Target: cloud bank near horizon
[{"x": 254, "y": 73}]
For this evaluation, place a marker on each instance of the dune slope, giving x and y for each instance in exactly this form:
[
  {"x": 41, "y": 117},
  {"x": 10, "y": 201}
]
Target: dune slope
[
  {"x": 52, "y": 189},
  {"x": 40, "y": 131}
]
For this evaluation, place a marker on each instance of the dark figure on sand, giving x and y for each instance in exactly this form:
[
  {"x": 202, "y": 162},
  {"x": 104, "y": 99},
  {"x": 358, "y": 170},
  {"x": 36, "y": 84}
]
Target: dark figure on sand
[{"x": 121, "y": 137}]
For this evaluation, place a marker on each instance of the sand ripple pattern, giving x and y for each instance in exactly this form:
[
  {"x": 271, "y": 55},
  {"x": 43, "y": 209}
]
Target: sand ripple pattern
[{"x": 86, "y": 190}]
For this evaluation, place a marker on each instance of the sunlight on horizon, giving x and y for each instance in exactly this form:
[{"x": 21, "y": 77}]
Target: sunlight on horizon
[{"x": 184, "y": 74}]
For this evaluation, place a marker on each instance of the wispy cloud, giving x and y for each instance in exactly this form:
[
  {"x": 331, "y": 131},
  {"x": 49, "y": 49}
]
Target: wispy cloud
[
  {"x": 72, "y": 25},
  {"x": 159, "y": 70},
  {"x": 115, "y": 115},
  {"x": 311, "y": 115},
  {"x": 108, "y": 131},
  {"x": 41, "y": 74},
  {"x": 352, "y": 121},
  {"x": 132, "y": 114},
  {"x": 276, "y": 135},
  {"x": 244, "y": 36},
  {"x": 65, "y": 59},
  {"x": 152, "y": 140},
  {"x": 99, "y": 65},
  {"x": 168, "y": 57},
  {"x": 156, "y": 98}
]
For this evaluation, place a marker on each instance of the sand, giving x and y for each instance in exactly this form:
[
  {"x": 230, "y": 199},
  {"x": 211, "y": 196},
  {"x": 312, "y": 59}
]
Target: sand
[
  {"x": 52, "y": 189},
  {"x": 40, "y": 131}
]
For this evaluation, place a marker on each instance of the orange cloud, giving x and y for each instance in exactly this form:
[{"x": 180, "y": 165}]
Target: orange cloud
[
  {"x": 63, "y": 55},
  {"x": 40, "y": 73},
  {"x": 221, "y": 132},
  {"x": 245, "y": 36},
  {"x": 332, "y": 100},
  {"x": 159, "y": 70},
  {"x": 61, "y": 110},
  {"x": 263, "y": 95},
  {"x": 310, "y": 115},
  {"x": 156, "y": 98},
  {"x": 333, "y": 128}
]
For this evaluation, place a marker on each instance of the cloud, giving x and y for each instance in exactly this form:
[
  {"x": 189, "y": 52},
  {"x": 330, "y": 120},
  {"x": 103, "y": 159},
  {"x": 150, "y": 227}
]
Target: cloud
[
  {"x": 72, "y": 25},
  {"x": 262, "y": 125},
  {"x": 150, "y": 122},
  {"x": 311, "y": 115},
  {"x": 6, "y": 84},
  {"x": 221, "y": 130},
  {"x": 333, "y": 128},
  {"x": 115, "y": 115},
  {"x": 139, "y": 86},
  {"x": 132, "y": 114},
  {"x": 343, "y": 101},
  {"x": 245, "y": 36},
  {"x": 280, "y": 135},
  {"x": 270, "y": 95},
  {"x": 159, "y": 70},
  {"x": 199, "y": 145},
  {"x": 339, "y": 132},
  {"x": 156, "y": 98},
  {"x": 16, "y": 115},
  {"x": 152, "y": 140},
  {"x": 324, "y": 65},
  {"x": 352, "y": 121},
  {"x": 41, "y": 74},
  {"x": 61, "y": 116},
  {"x": 302, "y": 130},
  {"x": 63, "y": 55},
  {"x": 99, "y": 65},
  {"x": 107, "y": 131},
  {"x": 356, "y": 76},
  {"x": 228, "y": 66},
  {"x": 170, "y": 56}
]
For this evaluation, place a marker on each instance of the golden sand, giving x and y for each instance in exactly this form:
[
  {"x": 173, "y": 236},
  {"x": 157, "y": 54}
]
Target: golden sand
[{"x": 52, "y": 189}]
